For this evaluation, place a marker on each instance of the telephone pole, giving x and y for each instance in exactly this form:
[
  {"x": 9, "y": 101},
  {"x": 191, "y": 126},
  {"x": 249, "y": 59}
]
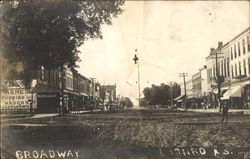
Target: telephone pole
[
  {"x": 185, "y": 90},
  {"x": 93, "y": 89},
  {"x": 171, "y": 94},
  {"x": 218, "y": 77}
]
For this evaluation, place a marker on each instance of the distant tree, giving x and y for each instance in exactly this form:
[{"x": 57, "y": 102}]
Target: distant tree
[
  {"x": 147, "y": 95},
  {"x": 176, "y": 90},
  {"x": 164, "y": 94},
  {"x": 160, "y": 94},
  {"x": 35, "y": 34},
  {"x": 155, "y": 94},
  {"x": 127, "y": 102},
  {"x": 143, "y": 102}
]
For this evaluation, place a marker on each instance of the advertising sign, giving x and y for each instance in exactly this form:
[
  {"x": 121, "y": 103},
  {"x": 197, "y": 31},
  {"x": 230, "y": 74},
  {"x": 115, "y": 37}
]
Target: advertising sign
[{"x": 15, "y": 98}]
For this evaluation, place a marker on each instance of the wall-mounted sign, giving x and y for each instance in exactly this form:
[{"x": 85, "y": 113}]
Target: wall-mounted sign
[{"x": 17, "y": 98}]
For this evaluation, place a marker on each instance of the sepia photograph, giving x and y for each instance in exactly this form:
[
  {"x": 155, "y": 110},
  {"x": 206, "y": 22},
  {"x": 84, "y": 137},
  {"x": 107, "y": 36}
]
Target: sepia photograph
[{"x": 123, "y": 79}]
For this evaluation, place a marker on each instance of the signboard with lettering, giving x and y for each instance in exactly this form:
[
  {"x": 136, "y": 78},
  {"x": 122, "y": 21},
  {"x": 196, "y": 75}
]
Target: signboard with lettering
[{"x": 16, "y": 98}]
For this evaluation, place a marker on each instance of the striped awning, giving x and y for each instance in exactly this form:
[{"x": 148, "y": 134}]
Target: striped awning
[
  {"x": 232, "y": 92},
  {"x": 179, "y": 97}
]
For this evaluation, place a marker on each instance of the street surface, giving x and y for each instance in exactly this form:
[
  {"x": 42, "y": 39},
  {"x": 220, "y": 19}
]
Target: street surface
[{"x": 118, "y": 134}]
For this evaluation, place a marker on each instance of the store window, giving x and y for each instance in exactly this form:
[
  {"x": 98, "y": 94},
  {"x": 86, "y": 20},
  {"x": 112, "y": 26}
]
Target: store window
[
  {"x": 235, "y": 68},
  {"x": 244, "y": 67},
  {"x": 239, "y": 68},
  {"x": 232, "y": 71}
]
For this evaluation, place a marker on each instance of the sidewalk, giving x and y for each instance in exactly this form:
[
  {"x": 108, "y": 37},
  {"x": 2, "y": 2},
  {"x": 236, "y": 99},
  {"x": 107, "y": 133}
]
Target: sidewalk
[
  {"x": 44, "y": 115},
  {"x": 9, "y": 117},
  {"x": 14, "y": 116},
  {"x": 83, "y": 111},
  {"x": 234, "y": 111}
]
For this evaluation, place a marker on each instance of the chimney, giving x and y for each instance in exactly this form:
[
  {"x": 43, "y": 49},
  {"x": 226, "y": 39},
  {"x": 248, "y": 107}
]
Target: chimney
[
  {"x": 211, "y": 50},
  {"x": 220, "y": 43}
]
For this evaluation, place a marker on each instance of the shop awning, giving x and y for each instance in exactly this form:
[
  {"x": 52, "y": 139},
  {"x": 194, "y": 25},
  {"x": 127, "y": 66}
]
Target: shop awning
[
  {"x": 179, "y": 97},
  {"x": 39, "y": 88},
  {"x": 232, "y": 92},
  {"x": 84, "y": 94},
  {"x": 190, "y": 97},
  {"x": 201, "y": 97},
  {"x": 179, "y": 101},
  {"x": 215, "y": 91}
]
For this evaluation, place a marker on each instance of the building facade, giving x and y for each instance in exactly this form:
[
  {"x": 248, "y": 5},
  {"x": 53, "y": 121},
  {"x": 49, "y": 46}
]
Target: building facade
[
  {"x": 231, "y": 73},
  {"x": 47, "y": 89},
  {"x": 108, "y": 93},
  {"x": 197, "y": 91},
  {"x": 238, "y": 93}
]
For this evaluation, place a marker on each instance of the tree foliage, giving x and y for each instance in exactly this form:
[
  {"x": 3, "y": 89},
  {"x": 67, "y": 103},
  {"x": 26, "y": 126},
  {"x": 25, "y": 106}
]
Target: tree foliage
[
  {"x": 127, "y": 102},
  {"x": 49, "y": 34},
  {"x": 161, "y": 94}
]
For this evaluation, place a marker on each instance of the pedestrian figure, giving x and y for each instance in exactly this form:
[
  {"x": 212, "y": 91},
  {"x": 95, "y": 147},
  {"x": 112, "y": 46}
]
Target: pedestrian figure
[{"x": 225, "y": 108}]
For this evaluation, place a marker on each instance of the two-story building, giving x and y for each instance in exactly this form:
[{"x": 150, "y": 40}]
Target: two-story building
[
  {"x": 108, "y": 93},
  {"x": 197, "y": 93},
  {"x": 47, "y": 88}
]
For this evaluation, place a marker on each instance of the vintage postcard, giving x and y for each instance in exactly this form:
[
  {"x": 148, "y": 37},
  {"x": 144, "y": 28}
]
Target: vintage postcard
[{"x": 125, "y": 79}]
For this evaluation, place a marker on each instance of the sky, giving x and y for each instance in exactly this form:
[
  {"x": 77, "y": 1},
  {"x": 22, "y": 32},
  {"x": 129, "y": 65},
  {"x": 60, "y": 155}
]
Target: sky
[{"x": 171, "y": 37}]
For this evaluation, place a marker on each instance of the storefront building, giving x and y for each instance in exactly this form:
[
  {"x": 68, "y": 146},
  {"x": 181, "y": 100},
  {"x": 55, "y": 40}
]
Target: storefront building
[
  {"x": 47, "y": 89},
  {"x": 238, "y": 93}
]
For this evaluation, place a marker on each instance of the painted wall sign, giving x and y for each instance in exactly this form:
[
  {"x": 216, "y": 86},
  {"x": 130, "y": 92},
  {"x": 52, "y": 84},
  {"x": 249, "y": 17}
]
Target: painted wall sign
[{"x": 17, "y": 98}]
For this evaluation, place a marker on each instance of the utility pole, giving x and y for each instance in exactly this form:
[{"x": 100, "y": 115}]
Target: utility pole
[
  {"x": 171, "y": 92},
  {"x": 93, "y": 85},
  {"x": 185, "y": 90},
  {"x": 62, "y": 79},
  {"x": 218, "y": 78}
]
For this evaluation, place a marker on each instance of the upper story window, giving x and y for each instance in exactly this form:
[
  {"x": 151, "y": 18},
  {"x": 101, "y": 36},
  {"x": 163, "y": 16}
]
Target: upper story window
[
  {"x": 213, "y": 71},
  {"x": 239, "y": 48},
  {"x": 243, "y": 46},
  {"x": 228, "y": 73},
  {"x": 221, "y": 68},
  {"x": 42, "y": 75},
  {"x": 232, "y": 53},
  {"x": 235, "y": 54},
  {"x": 225, "y": 68},
  {"x": 248, "y": 43},
  {"x": 49, "y": 76},
  {"x": 248, "y": 65}
]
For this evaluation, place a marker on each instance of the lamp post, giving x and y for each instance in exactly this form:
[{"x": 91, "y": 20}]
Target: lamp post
[{"x": 136, "y": 59}]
